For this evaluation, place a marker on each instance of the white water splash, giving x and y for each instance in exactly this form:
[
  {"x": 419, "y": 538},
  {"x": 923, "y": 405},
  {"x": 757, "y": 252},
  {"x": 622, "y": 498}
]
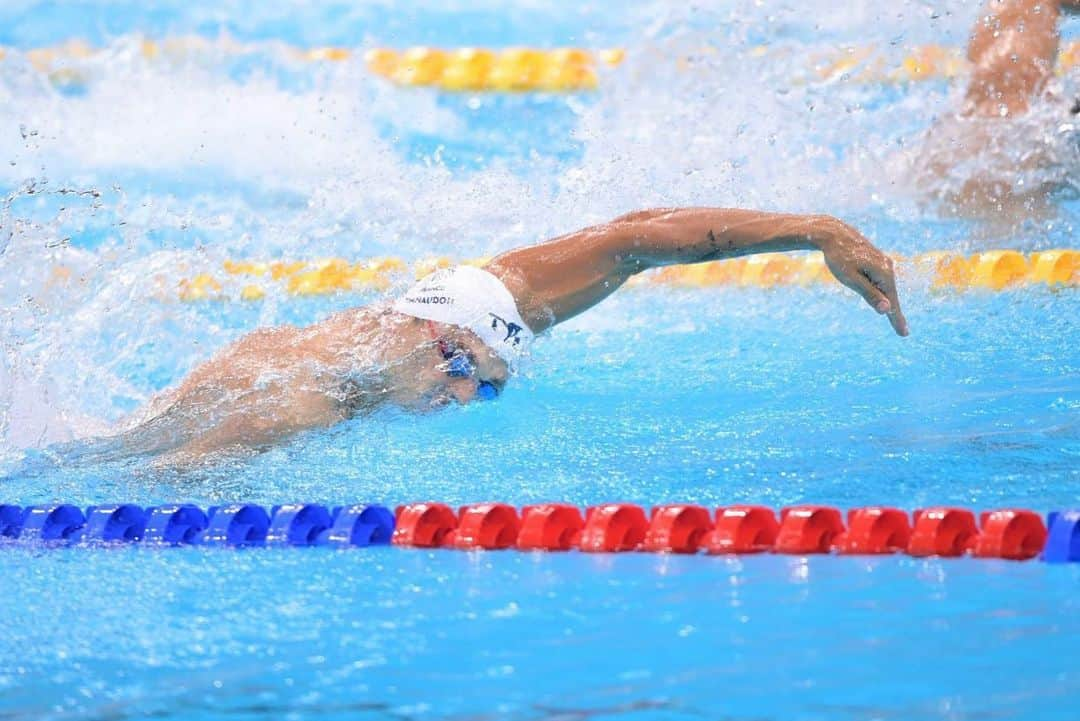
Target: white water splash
[{"x": 199, "y": 159}]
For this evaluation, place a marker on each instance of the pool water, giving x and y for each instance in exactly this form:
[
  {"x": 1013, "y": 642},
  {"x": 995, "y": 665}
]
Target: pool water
[{"x": 148, "y": 173}]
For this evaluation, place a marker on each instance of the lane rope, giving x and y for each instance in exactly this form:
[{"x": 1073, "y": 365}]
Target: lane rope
[
  {"x": 479, "y": 69},
  {"x": 947, "y": 532},
  {"x": 995, "y": 270},
  {"x": 519, "y": 69}
]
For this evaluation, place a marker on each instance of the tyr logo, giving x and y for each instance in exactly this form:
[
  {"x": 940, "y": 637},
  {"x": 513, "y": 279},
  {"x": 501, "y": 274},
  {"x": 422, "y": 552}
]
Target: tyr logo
[{"x": 513, "y": 330}]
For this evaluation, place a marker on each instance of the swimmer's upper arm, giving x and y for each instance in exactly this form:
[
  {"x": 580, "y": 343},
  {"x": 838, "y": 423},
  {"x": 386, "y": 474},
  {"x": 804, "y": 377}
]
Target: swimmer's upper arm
[{"x": 558, "y": 279}]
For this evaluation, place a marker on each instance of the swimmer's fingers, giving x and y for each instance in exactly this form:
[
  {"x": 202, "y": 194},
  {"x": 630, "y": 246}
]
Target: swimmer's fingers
[
  {"x": 882, "y": 280},
  {"x": 896, "y": 315},
  {"x": 860, "y": 266},
  {"x": 866, "y": 281},
  {"x": 860, "y": 282}
]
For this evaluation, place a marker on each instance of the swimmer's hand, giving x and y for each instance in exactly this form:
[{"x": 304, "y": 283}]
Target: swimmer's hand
[{"x": 866, "y": 270}]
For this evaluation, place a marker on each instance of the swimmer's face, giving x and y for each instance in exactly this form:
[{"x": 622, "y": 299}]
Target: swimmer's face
[
  {"x": 471, "y": 364},
  {"x": 422, "y": 379}
]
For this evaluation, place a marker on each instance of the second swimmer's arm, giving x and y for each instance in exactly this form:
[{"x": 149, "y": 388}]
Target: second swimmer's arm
[
  {"x": 565, "y": 276},
  {"x": 1013, "y": 50}
]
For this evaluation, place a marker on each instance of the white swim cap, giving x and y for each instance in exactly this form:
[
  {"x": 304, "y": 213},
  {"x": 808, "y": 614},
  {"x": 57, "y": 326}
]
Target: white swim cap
[{"x": 473, "y": 299}]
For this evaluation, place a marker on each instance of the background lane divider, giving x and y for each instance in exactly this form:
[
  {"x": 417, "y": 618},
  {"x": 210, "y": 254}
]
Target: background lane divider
[
  {"x": 517, "y": 69},
  {"x": 479, "y": 69},
  {"x": 1014, "y": 534},
  {"x": 992, "y": 269}
]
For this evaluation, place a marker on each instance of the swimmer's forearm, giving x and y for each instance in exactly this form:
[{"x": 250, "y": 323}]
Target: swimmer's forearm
[{"x": 694, "y": 235}]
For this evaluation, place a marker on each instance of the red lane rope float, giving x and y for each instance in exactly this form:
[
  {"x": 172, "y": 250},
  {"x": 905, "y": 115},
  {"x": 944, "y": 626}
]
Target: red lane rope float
[
  {"x": 1015, "y": 534},
  {"x": 808, "y": 529},
  {"x": 424, "y": 525},
  {"x": 1010, "y": 534},
  {"x": 875, "y": 530},
  {"x": 486, "y": 525},
  {"x": 743, "y": 529},
  {"x": 677, "y": 529},
  {"x": 550, "y": 527},
  {"x": 942, "y": 532},
  {"x": 613, "y": 527}
]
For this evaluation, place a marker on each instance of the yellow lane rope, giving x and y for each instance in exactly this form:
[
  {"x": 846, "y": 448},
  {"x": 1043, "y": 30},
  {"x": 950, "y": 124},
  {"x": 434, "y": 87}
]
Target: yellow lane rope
[
  {"x": 517, "y": 69},
  {"x": 993, "y": 269},
  {"x": 509, "y": 70},
  {"x": 865, "y": 65},
  {"x": 474, "y": 69}
]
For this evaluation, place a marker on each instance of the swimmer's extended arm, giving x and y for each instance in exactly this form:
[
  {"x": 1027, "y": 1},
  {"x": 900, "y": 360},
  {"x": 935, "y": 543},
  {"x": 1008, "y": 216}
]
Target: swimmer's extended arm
[{"x": 570, "y": 274}]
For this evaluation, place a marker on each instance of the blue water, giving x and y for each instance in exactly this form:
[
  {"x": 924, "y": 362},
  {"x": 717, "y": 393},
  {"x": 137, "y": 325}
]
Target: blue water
[
  {"x": 392, "y": 634},
  {"x": 153, "y": 172}
]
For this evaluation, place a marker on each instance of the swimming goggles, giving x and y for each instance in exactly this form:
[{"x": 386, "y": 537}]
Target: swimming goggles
[{"x": 460, "y": 364}]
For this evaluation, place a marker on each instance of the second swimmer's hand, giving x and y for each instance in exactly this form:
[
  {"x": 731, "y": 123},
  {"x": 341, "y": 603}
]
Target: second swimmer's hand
[{"x": 866, "y": 270}]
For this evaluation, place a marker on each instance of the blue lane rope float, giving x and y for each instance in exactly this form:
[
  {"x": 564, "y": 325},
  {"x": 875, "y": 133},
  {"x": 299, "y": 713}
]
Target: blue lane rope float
[
  {"x": 11, "y": 521},
  {"x": 1015, "y": 534},
  {"x": 174, "y": 525},
  {"x": 51, "y": 523},
  {"x": 112, "y": 523},
  {"x": 1063, "y": 540},
  {"x": 236, "y": 525}
]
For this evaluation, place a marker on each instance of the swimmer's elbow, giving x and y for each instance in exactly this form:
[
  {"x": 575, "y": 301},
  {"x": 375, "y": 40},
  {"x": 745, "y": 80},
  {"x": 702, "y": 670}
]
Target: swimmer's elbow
[{"x": 641, "y": 216}]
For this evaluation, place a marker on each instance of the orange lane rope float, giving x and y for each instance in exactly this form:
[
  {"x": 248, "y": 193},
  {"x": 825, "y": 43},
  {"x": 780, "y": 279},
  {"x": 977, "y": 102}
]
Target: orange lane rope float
[
  {"x": 517, "y": 69},
  {"x": 992, "y": 270}
]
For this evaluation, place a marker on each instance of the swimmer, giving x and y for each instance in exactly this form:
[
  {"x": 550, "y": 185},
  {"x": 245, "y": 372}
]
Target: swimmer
[
  {"x": 1013, "y": 51},
  {"x": 457, "y": 335}
]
